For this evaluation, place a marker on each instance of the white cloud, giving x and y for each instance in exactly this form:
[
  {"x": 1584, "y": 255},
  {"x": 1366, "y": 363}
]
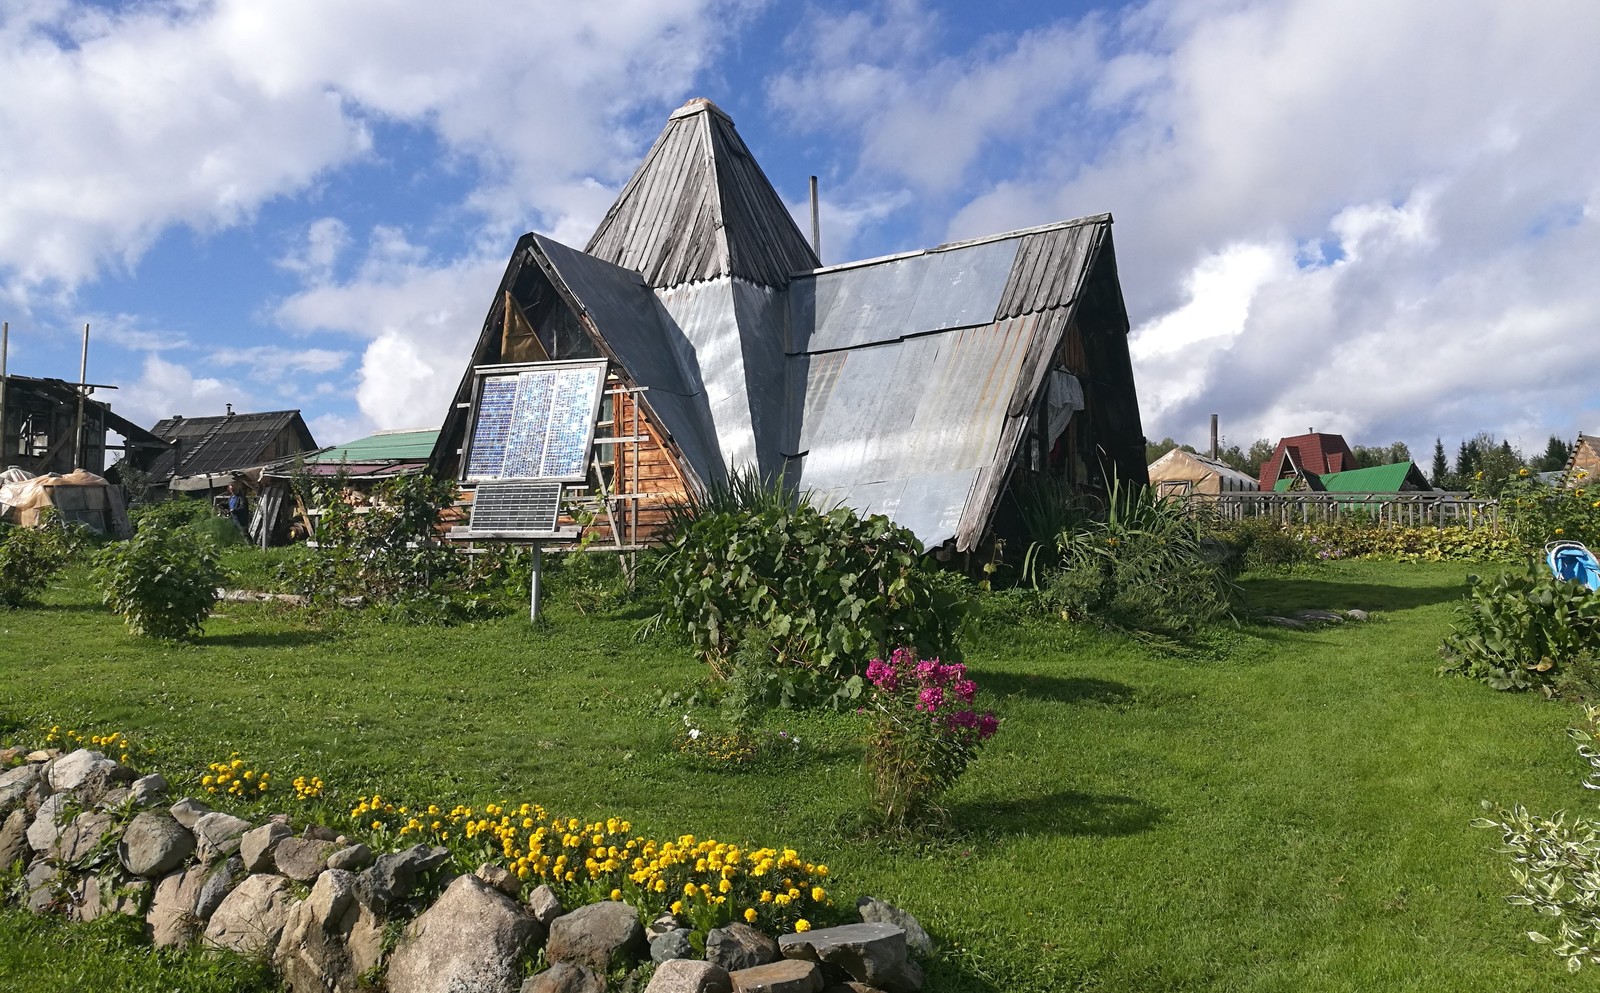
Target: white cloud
[
  {"x": 122, "y": 123},
  {"x": 325, "y": 240},
  {"x": 1363, "y": 215},
  {"x": 272, "y": 362},
  {"x": 168, "y": 388}
]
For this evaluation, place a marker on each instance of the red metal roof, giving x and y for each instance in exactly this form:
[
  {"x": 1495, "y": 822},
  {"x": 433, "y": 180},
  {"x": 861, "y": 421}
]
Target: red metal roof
[{"x": 1315, "y": 453}]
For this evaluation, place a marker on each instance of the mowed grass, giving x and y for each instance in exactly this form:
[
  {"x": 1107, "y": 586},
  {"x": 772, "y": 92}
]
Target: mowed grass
[{"x": 1257, "y": 810}]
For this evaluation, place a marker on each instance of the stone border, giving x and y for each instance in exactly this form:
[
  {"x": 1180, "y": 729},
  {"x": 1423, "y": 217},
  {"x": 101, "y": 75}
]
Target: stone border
[{"x": 95, "y": 838}]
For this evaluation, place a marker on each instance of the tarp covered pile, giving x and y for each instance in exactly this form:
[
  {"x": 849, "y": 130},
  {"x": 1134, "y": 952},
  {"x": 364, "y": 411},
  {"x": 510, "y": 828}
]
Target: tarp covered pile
[{"x": 79, "y": 496}]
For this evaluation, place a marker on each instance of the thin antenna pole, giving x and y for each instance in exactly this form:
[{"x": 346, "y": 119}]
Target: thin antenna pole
[
  {"x": 5, "y": 346},
  {"x": 83, "y": 391},
  {"x": 816, "y": 221}
]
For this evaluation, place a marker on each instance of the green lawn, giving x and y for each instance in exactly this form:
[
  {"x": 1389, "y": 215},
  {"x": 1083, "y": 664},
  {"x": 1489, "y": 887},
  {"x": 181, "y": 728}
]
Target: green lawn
[{"x": 1258, "y": 810}]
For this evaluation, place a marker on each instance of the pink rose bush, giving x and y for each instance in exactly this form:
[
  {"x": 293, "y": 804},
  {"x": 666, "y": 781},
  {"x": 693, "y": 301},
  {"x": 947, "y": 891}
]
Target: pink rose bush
[{"x": 927, "y": 733}]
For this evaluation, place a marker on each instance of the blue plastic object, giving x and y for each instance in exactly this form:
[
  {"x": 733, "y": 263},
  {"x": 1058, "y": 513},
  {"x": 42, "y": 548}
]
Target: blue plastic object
[{"x": 1571, "y": 560}]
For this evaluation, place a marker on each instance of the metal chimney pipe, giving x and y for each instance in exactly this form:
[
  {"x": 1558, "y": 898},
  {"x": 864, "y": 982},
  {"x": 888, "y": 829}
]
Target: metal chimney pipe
[
  {"x": 816, "y": 221},
  {"x": 5, "y": 346},
  {"x": 1214, "y": 448},
  {"x": 83, "y": 392}
]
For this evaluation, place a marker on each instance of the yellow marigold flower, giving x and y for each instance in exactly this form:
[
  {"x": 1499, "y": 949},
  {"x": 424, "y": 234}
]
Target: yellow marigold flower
[
  {"x": 207, "y": 780},
  {"x": 688, "y": 889},
  {"x": 677, "y": 907},
  {"x": 724, "y": 887},
  {"x": 766, "y": 896},
  {"x": 750, "y": 915},
  {"x": 818, "y": 894},
  {"x": 822, "y": 871},
  {"x": 616, "y": 894},
  {"x": 802, "y": 925},
  {"x": 375, "y": 825}
]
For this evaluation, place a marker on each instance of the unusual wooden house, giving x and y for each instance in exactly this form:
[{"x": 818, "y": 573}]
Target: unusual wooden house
[
  {"x": 204, "y": 454},
  {"x": 919, "y": 386}
]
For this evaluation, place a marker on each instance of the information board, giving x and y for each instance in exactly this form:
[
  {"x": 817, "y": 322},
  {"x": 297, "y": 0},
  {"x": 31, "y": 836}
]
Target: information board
[{"x": 535, "y": 422}]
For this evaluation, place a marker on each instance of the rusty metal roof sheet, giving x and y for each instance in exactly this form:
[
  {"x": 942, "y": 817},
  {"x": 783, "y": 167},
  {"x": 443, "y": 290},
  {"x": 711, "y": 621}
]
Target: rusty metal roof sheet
[{"x": 699, "y": 207}]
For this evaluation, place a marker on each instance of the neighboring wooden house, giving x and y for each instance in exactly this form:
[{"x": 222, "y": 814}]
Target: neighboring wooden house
[
  {"x": 39, "y": 428},
  {"x": 919, "y": 386},
  {"x": 1585, "y": 459},
  {"x": 205, "y": 454},
  {"x": 1181, "y": 473},
  {"x": 1306, "y": 456}
]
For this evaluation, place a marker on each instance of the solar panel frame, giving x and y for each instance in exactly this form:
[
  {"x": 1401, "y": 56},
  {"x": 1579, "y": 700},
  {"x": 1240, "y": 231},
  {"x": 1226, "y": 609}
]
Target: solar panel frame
[
  {"x": 516, "y": 507},
  {"x": 533, "y": 420}
]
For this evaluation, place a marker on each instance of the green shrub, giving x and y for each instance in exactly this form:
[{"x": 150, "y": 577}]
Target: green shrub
[
  {"x": 1263, "y": 543},
  {"x": 28, "y": 558},
  {"x": 827, "y": 591},
  {"x": 1427, "y": 543},
  {"x": 171, "y": 514},
  {"x": 1517, "y": 632},
  {"x": 1139, "y": 565},
  {"x": 1536, "y": 513},
  {"x": 1556, "y": 864},
  {"x": 163, "y": 583}
]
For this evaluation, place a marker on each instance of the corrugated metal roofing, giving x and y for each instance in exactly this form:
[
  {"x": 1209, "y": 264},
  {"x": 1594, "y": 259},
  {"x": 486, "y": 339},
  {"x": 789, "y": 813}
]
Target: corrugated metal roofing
[
  {"x": 385, "y": 446},
  {"x": 1051, "y": 266},
  {"x": 649, "y": 346},
  {"x": 699, "y": 207},
  {"x": 1373, "y": 479},
  {"x": 217, "y": 445}
]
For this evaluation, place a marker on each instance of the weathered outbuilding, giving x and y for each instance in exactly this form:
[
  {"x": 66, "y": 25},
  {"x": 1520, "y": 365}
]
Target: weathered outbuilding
[
  {"x": 39, "y": 431},
  {"x": 919, "y": 386}
]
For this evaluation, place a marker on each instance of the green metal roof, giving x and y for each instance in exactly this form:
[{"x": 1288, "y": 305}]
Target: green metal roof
[
  {"x": 1374, "y": 479},
  {"x": 385, "y": 446}
]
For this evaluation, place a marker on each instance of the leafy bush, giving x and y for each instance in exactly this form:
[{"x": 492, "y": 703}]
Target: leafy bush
[
  {"x": 28, "y": 558},
  {"x": 1427, "y": 543},
  {"x": 1139, "y": 565},
  {"x": 826, "y": 591},
  {"x": 1516, "y": 632},
  {"x": 1536, "y": 513},
  {"x": 1263, "y": 543},
  {"x": 171, "y": 514},
  {"x": 163, "y": 583},
  {"x": 1556, "y": 863},
  {"x": 387, "y": 553},
  {"x": 926, "y": 734}
]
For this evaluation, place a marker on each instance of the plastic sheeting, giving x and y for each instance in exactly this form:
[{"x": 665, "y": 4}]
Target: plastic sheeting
[{"x": 79, "y": 496}]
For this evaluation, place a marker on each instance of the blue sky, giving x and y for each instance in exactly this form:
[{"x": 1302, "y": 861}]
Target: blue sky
[{"x": 1377, "y": 217}]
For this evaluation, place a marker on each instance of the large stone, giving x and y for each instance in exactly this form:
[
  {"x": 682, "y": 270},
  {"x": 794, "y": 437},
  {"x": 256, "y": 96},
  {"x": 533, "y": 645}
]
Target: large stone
[
  {"x": 740, "y": 946},
  {"x": 14, "y": 839},
  {"x": 251, "y": 918},
  {"x": 83, "y": 839},
  {"x": 154, "y": 844},
  {"x": 330, "y": 940},
  {"x": 392, "y": 876},
  {"x": 871, "y": 953},
  {"x": 147, "y": 791},
  {"x": 602, "y": 936},
  {"x": 256, "y": 846},
  {"x": 472, "y": 938},
  {"x": 787, "y": 976},
  {"x": 220, "y": 881},
  {"x": 15, "y": 784},
  {"x": 188, "y": 811},
  {"x": 875, "y": 911},
  {"x": 109, "y": 893},
  {"x": 45, "y": 887},
  {"x": 351, "y": 858},
  {"x": 688, "y": 976},
  {"x": 48, "y": 822},
  {"x": 671, "y": 945},
  {"x": 217, "y": 835},
  {"x": 79, "y": 769},
  {"x": 544, "y": 904},
  {"x": 565, "y": 977},
  {"x": 500, "y": 878},
  {"x": 172, "y": 921},
  {"x": 302, "y": 859}
]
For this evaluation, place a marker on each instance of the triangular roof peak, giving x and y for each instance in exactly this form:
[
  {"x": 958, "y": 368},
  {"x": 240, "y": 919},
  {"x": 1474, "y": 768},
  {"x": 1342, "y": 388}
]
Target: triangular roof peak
[
  {"x": 699, "y": 208},
  {"x": 699, "y": 105}
]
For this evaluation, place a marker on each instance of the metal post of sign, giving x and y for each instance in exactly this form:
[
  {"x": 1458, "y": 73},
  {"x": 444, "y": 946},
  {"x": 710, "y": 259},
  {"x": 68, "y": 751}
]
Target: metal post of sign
[{"x": 533, "y": 590}]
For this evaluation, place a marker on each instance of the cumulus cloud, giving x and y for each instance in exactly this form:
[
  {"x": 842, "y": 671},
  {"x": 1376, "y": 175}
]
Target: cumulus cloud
[
  {"x": 1362, "y": 215},
  {"x": 165, "y": 388}
]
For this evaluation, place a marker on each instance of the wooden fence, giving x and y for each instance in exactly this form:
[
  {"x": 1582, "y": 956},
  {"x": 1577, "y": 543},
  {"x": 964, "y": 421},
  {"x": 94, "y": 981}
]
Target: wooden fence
[{"x": 1403, "y": 509}]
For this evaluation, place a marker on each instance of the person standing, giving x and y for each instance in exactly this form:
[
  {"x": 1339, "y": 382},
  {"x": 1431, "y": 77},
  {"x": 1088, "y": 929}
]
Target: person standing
[{"x": 239, "y": 506}]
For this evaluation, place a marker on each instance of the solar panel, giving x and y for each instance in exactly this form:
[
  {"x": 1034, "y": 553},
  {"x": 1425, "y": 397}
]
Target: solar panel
[
  {"x": 515, "y": 507},
  {"x": 536, "y": 422}
]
